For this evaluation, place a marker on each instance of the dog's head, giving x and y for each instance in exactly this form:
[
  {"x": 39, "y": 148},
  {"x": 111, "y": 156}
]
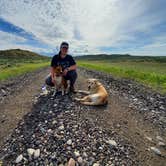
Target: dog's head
[
  {"x": 92, "y": 83},
  {"x": 58, "y": 71}
]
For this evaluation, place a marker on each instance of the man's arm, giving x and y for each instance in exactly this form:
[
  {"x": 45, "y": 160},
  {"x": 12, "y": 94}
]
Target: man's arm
[
  {"x": 73, "y": 67},
  {"x": 53, "y": 77}
]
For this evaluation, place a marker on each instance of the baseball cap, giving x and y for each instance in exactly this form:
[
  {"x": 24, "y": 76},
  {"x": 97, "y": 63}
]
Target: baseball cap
[{"x": 64, "y": 44}]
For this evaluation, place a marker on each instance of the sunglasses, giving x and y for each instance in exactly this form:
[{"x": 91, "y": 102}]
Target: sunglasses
[{"x": 65, "y": 48}]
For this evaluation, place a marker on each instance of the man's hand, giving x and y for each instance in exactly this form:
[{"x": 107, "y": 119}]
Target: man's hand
[{"x": 65, "y": 72}]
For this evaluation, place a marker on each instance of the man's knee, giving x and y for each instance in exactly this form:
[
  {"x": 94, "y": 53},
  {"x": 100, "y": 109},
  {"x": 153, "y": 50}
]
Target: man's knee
[
  {"x": 72, "y": 74},
  {"x": 48, "y": 81}
]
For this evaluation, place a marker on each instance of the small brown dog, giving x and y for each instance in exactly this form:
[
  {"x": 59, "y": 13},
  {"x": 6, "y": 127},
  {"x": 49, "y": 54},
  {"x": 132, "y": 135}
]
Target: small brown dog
[
  {"x": 60, "y": 82},
  {"x": 97, "y": 94}
]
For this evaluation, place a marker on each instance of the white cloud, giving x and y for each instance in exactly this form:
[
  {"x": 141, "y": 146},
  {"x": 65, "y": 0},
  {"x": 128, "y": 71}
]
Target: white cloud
[
  {"x": 86, "y": 24},
  {"x": 10, "y": 38},
  {"x": 11, "y": 41}
]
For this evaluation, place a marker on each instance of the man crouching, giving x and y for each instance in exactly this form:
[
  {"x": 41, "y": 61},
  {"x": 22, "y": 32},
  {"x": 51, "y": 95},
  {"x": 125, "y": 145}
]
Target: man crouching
[{"x": 68, "y": 65}]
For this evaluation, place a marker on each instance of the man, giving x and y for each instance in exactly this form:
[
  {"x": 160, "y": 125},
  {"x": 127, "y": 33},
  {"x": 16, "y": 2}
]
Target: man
[{"x": 68, "y": 65}]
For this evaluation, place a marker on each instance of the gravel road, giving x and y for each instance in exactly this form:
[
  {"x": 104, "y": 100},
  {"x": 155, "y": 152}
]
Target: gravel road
[{"x": 130, "y": 130}]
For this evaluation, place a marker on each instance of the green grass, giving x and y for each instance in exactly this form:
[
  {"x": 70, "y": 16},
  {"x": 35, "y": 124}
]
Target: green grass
[
  {"x": 20, "y": 69},
  {"x": 15, "y": 62},
  {"x": 151, "y": 74}
]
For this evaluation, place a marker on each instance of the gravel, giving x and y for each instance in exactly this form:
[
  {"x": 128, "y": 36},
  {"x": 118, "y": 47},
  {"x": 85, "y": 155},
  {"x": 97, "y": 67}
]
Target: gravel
[
  {"x": 54, "y": 133},
  {"x": 150, "y": 104}
]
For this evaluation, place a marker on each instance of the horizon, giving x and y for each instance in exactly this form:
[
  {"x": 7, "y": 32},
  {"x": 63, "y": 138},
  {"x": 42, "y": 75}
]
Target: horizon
[
  {"x": 75, "y": 55},
  {"x": 131, "y": 27}
]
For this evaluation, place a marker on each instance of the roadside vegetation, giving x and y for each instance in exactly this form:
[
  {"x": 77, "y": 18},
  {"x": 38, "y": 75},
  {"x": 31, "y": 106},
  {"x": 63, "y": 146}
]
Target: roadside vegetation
[
  {"x": 151, "y": 73},
  {"x": 16, "y": 62}
]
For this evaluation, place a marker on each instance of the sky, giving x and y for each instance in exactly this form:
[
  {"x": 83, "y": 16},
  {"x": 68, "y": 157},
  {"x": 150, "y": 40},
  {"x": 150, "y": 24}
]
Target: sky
[{"x": 136, "y": 27}]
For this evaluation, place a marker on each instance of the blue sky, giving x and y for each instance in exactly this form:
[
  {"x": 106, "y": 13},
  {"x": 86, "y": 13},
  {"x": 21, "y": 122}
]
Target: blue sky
[{"x": 112, "y": 26}]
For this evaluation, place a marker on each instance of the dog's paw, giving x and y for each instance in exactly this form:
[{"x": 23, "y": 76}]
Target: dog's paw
[
  {"x": 54, "y": 94},
  {"x": 76, "y": 99},
  {"x": 63, "y": 93}
]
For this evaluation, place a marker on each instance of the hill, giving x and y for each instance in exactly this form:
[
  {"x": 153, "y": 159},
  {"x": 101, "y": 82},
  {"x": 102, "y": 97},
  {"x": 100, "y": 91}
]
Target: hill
[
  {"x": 18, "y": 53},
  {"x": 15, "y": 62},
  {"x": 123, "y": 57}
]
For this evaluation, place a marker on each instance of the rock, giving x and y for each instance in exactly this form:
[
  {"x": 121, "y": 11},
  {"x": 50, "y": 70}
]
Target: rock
[
  {"x": 80, "y": 160},
  {"x": 50, "y": 112},
  {"x": 112, "y": 142},
  {"x": 30, "y": 151},
  {"x": 135, "y": 99},
  {"x": 159, "y": 138},
  {"x": 84, "y": 154},
  {"x": 3, "y": 91},
  {"x": 69, "y": 142},
  {"x": 61, "y": 127},
  {"x": 118, "y": 125},
  {"x": 156, "y": 151},
  {"x": 37, "y": 153},
  {"x": 19, "y": 158},
  {"x": 91, "y": 160},
  {"x": 77, "y": 154},
  {"x": 148, "y": 138},
  {"x": 96, "y": 164},
  {"x": 55, "y": 105},
  {"x": 161, "y": 144},
  {"x": 71, "y": 162},
  {"x": 49, "y": 130},
  {"x": 162, "y": 108},
  {"x": 54, "y": 122}
]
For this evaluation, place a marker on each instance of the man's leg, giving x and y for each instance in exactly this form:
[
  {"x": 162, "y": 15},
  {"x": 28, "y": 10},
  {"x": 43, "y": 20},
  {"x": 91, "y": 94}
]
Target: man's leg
[
  {"x": 48, "y": 81},
  {"x": 72, "y": 76}
]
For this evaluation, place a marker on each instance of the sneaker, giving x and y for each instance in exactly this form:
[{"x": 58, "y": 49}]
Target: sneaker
[{"x": 72, "y": 89}]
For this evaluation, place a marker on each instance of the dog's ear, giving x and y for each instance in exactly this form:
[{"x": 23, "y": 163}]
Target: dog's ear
[
  {"x": 96, "y": 81},
  {"x": 88, "y": 80}
]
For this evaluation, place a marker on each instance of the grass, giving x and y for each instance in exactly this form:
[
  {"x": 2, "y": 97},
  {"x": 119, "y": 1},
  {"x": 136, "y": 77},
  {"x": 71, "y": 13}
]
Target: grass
[
  {"x": 151, "y": 74},
  {"x": 15, "y": 62},
  {"x": 16, "y": 70}
]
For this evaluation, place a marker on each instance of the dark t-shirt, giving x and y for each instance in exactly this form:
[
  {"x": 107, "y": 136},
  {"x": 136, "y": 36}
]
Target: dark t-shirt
[{"x": 64, "y": 62}]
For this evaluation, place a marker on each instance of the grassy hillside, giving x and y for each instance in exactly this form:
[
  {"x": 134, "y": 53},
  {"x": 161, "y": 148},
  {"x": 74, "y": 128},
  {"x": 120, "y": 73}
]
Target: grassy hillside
[
  {"x": 150, "y": 71},
  {"x": 15, "y": 62},
  {"x": 124, "y": 57},
  {"x": 16, "y": 53}
]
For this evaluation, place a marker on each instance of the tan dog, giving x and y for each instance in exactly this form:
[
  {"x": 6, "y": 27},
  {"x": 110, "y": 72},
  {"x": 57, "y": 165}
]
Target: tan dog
[
  {"x": 97, "y": 94},
  {"x": 60, "y": 82}
]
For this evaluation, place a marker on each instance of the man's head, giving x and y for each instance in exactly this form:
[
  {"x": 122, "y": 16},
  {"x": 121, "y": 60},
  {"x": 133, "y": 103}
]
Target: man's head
[{"x": 64, "y": 48}]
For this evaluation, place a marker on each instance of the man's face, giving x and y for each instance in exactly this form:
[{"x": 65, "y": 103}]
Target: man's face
[{"x": 64, "y": 50}]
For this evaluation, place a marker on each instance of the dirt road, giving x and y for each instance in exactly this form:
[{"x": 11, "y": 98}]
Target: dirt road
[{"x": 122, "y": 133}]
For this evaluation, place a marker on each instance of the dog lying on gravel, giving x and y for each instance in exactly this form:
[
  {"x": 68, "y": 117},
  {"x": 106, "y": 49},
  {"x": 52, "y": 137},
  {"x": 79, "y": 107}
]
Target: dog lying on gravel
[
  {"x": 96, "y": 94},
  {"x": 60, "y": 82}
]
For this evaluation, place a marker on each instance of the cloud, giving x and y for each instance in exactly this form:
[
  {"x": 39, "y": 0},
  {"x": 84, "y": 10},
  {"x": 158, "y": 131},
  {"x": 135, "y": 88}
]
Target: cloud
[
  {"x": 88, "y": 25},
  {"x": 12, "y": 41}
]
